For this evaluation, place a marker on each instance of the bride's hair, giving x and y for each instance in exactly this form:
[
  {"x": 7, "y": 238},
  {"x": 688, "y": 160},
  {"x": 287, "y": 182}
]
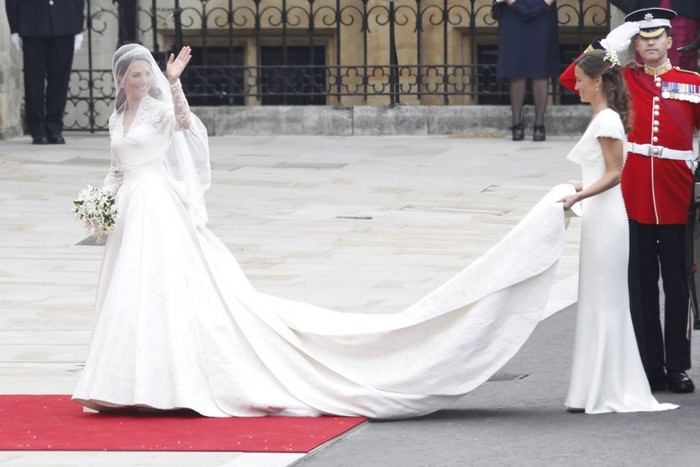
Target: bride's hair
[
  {"x": 600, "y": 63},
  {"x": 122, "y": 60}
]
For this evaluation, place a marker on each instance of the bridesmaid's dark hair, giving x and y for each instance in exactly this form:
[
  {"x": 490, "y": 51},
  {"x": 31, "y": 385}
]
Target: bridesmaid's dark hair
[{"x": 600, "y": 63}]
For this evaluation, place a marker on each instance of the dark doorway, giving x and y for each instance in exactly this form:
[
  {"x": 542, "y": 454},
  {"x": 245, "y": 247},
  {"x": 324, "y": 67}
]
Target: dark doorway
[
  {"x": 293, "y": 76},
  {"x": 215, "y": 76}
]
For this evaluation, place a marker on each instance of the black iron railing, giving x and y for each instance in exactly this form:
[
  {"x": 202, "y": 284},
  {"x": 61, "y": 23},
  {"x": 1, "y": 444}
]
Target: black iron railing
[{"x": 319, "y": 52}]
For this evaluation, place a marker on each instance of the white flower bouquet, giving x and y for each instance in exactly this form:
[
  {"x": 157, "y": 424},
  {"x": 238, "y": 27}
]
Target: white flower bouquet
[{"x": 96, "y": 208}]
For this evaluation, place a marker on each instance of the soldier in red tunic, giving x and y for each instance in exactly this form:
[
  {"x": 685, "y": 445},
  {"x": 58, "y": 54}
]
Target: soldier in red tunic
[{"x": 657, "y": 186}]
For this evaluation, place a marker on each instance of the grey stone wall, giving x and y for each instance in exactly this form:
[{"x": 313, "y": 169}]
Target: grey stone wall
[{"x": 471, "y": 120}]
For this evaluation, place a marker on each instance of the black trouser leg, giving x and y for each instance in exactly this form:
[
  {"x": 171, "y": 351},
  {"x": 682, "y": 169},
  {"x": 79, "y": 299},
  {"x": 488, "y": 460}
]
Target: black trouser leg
[
  {"x": 677, "y": 305},
  {"x": 643, "y": 278},
  {"x": 60, "y": 62},
  {"x": 35, "y": 66}
]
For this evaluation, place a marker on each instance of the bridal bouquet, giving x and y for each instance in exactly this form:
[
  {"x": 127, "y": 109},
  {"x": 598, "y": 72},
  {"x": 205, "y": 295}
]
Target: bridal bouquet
[{"x": 95, "y": 207}]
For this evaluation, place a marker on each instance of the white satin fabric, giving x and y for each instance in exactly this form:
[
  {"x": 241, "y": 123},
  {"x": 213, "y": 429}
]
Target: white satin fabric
[
  {"x": 180, "y": 326},
  {"x": 607, "y": 373}
]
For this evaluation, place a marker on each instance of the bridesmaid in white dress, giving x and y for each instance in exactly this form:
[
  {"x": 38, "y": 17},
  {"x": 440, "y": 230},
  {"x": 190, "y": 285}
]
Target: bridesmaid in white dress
[{"x": 607, "y": 373}]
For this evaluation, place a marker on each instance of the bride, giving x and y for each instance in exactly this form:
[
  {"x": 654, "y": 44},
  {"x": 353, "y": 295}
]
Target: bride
[{"x": 180, "y": 326}]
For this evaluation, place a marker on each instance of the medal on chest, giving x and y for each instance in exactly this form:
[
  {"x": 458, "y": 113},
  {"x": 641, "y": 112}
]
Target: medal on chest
[{"x": 680, "y": 91}]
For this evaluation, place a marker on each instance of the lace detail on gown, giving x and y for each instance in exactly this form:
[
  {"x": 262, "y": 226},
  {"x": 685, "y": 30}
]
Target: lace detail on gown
[
  {"x": 114, "y": 177},
  {"x": 181, "y": 106}
]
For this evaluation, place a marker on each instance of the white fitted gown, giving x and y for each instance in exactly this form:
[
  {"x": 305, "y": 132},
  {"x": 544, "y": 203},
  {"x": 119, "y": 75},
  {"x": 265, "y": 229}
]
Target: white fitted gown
[{"x": 607, "y": 373}]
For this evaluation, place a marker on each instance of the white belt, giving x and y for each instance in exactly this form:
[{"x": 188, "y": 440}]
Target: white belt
[{"x": 660, "y": 152}]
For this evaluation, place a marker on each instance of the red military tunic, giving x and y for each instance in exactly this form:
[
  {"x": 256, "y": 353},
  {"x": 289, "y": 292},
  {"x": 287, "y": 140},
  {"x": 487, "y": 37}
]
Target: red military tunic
[{"x": 657, "y": 190}]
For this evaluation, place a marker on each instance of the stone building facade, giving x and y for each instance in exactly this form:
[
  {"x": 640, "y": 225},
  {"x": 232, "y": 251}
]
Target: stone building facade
[{"x": 337, "y": 54}]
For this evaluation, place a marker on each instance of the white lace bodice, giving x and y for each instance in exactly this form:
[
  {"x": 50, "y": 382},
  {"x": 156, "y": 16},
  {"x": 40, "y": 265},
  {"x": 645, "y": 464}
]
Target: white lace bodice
[
  {"x": 143, "y": 145},
  {"x": 145, "y": 141}
]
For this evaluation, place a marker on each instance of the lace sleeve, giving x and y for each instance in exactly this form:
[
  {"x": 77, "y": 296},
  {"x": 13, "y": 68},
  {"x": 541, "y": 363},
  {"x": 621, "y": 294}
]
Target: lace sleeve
[
  {"x": 181, "y": 107},
  {"x": 114, "y": 177}
]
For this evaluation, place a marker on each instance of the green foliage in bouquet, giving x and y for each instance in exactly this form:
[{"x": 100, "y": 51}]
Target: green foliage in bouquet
[{"x": 96, "y": 208}]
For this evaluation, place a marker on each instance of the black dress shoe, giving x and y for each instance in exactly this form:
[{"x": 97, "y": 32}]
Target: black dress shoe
[
  {"x": 518, "y": 132},
  {"x": 539, "y": 133},
  {"x": 40, "y": 140},
  {"x": 56, "y": 139},
  {"x": 680, "y": 382}
]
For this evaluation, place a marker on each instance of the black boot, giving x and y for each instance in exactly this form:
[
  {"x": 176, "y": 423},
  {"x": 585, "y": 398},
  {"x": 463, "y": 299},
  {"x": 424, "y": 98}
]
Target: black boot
[
  {"x": 539, "y": 133},
  {"x": 518, "y": 132}
]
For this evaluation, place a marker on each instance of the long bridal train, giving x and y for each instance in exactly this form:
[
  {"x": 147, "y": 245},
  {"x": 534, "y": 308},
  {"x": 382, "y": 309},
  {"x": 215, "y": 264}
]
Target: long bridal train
[{"x": 198, "y": 335}]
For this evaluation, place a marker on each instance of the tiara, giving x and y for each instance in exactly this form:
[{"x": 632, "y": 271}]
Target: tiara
[{"x": 611, "y": 57}]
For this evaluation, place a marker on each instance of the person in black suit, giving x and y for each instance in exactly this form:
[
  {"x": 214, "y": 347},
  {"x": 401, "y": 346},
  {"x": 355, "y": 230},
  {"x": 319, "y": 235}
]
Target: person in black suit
[{"x": 48, "y": 32}]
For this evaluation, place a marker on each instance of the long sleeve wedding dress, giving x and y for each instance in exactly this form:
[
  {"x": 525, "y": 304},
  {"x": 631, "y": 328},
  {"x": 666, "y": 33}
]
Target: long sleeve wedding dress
[{"x": 180, "y": 326}]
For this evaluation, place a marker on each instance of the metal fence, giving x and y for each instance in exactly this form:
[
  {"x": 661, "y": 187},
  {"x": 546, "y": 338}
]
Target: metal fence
[{"x": 317, "y": 52}]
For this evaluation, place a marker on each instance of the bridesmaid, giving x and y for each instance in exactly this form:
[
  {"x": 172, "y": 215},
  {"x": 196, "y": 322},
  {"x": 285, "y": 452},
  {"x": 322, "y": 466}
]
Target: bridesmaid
[{"x": 607, "y": 373}]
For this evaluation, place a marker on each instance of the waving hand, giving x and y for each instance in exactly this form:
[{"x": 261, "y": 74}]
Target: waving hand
[{"x": 176, "y": 65}]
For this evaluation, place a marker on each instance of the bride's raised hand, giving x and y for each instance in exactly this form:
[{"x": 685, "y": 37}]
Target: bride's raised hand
[{"x": 176, "y": 65}]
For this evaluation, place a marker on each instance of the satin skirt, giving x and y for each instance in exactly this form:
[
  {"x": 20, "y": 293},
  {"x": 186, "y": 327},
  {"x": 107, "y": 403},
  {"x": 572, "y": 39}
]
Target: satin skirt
[{"x": 178, "y": 324}]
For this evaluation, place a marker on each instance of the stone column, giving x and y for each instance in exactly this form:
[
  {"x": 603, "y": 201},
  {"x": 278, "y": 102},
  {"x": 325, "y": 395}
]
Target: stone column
[{"x": 11, "y": 88}]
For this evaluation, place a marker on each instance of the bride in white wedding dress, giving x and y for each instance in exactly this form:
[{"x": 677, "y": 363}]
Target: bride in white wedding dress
[
  {"x": 607, "y": 373},
  {"x": 180, "y": 326}
]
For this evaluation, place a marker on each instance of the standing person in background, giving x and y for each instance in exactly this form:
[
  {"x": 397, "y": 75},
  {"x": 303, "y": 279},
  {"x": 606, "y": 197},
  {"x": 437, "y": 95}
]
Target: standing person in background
[
  {"x": 528, "y": 48},
  {"x": 657, "y": 187},
  {"x": 48, "y": 32}
]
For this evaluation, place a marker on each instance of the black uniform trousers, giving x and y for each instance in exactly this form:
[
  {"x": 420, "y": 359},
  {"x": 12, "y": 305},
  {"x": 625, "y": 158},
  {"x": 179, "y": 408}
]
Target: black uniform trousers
[
  {"x": 652, "y": 245},
  {"x": 47, "y": 67}
]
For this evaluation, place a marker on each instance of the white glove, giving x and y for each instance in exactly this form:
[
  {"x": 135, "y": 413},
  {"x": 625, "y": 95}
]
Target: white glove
[
  {"x": 16, "y": 40},
  {"x": 618, "y": 40},
  {"x": 77, "y": 42}
]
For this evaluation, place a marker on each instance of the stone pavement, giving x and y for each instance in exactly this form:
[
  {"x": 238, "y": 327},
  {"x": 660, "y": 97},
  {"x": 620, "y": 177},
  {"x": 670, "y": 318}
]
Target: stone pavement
[{"x": 364, "y": 224}]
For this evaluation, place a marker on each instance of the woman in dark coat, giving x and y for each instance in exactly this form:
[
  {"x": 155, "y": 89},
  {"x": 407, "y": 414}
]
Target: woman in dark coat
[{"x": 528, "y": 48}]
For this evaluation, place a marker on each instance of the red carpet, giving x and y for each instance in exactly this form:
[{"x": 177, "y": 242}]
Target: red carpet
[{"x": 55, "y": 423}]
